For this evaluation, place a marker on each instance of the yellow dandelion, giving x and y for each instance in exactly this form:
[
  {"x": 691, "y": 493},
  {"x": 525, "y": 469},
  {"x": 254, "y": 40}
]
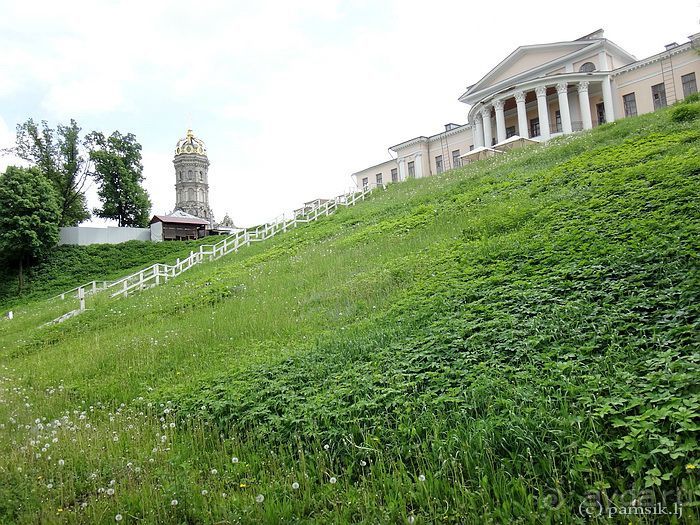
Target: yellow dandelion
[
  {"x": 690, "y": 466},
  {"x": 243, "y": 485}
]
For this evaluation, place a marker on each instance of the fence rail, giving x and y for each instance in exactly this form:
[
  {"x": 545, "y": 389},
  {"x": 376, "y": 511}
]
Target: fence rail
[{"x": 160, "y": 273}]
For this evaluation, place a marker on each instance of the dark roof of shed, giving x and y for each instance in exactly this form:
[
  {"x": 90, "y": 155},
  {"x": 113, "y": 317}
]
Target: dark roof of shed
[{"x": 177, "y": 220}]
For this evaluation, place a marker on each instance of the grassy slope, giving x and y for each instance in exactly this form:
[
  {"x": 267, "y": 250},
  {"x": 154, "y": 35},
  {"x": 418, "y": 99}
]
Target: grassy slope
[
  {"x": 523, "y": 327},
  {"x": 70, "y": 266}
]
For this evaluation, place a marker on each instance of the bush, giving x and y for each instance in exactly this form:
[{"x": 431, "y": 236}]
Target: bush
[
  {"x": 692, "y": 99},
  {"x": 685, "y": 112}
]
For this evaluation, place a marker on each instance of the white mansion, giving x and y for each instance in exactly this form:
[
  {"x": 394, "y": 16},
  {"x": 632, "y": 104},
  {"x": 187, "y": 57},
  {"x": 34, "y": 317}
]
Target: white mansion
[{"x": 545, "y": 90}]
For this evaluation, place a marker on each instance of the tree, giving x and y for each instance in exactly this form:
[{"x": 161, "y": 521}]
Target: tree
[
  {"x": 57, "y": 153},
  {"x": 118, "y": 173},
  {"x": 29, "y": 216}
]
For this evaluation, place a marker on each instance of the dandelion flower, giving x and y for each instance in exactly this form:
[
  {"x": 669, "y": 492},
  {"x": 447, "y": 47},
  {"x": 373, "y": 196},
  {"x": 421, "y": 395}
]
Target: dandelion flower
[
  {"x": 173, "y": 503},
  {"x": 118, "y": 517},
  {"x": 110, "y": 492},
  {"x": 421, "y": 477},
  {"x": 690, "y": 466},
  {"x": 205, "y": 492},
  {"x": 259, "y": 498},
  {"x": 333, "y": 480},
  {"x": 295, "y": 485},
  {"x": 214, "y": 472},
  {"x": 61, "y": 462},
  {"x": 49, "y": 485},
  {"x": 234, "y": 459}
]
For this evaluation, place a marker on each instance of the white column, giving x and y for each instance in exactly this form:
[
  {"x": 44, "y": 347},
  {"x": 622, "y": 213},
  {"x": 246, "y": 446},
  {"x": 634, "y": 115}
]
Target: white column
[
  {"x": 585, "y": 104},
  {"x": 542, "y": 111},
  {"x": 500, "y": 120},
  {"x": 523, "y": 129},
  {"x": 418, "y": 165},
  {"x": 563, "y": 92},
  {"x": 486, "y": 117},
  {"x": 477, "y": 132},
  {"x": 402, "y": 170},
  {"x": 608, "y": 100}
]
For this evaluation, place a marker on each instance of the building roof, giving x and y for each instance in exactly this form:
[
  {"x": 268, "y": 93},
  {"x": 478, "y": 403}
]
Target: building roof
[
  {"x": 567, "y": 51},
  {"x": 178, "y": 219},
  {"x": 457, "y": 128}
]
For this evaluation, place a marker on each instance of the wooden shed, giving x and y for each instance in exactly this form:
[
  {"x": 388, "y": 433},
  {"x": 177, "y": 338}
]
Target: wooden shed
[{"x": 181, "y": 228}]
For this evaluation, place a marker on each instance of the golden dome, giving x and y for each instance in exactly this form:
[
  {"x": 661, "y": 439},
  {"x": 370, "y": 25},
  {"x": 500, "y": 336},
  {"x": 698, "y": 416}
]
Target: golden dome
[{"x": 190, "y": 145}]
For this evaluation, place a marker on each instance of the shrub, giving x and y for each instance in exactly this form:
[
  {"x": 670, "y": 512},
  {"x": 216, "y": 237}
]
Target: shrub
[
  {"x": 692, "y": 99},
  {"x": 685, "y": 112}
]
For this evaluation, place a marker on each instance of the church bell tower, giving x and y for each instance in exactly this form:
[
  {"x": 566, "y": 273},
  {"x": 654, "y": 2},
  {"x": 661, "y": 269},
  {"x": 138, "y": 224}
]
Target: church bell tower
[{"x": 191, "y": 177}]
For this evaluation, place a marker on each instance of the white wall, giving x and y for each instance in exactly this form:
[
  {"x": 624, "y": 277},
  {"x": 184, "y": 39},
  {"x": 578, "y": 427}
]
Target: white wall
[{"x": 111, "y": 235}]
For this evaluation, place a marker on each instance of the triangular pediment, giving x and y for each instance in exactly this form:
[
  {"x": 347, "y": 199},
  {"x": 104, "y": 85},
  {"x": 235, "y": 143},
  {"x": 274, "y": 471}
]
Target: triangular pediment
[{"x": 531, "y": 58}]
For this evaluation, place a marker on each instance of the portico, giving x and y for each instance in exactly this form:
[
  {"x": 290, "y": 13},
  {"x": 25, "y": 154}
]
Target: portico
[
  {"x": 544, "y": 90},
  {"x": 542, "y": 109}
]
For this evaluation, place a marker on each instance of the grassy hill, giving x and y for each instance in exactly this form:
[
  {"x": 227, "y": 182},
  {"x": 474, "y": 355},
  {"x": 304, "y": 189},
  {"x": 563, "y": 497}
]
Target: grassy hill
[
  {"x": 488, "y": 345},
  {"x": 70, "y": 266}
]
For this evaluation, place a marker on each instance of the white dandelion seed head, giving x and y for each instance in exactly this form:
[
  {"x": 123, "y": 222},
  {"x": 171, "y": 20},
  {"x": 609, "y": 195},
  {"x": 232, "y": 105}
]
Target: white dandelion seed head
[
  {"x": 421, "y": 477},
  {"x": 61, "y": 462},
  {"x": 333, "y": 480},
  {"x": 326, "y": 446},
  {"x": 214, "y": 472},
  {"x": 234, "y": 459},
  {"x": 411, "y": 519},
  {"x": 173, "y": 503},
  {"x": 205, "y": 492},
  {"x": 259, "y": 498},
  {"x": 110, "y": 491},
  {"x": 118, "y": 517},
  {"x": 363, "y": 463}
]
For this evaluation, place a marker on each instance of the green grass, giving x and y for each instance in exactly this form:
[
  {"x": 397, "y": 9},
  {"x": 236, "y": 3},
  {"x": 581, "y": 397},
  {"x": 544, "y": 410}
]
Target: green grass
[
  {"x": 70, "y": 266},
  {"x": 488, "y": 345}
]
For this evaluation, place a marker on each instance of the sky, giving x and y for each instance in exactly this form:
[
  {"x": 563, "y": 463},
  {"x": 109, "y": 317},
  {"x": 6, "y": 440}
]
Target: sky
[{"x": 290, "y": 97}]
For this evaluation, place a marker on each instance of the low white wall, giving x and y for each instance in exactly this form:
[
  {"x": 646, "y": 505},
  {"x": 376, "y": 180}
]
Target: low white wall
[{"x": 111, "y": 235}]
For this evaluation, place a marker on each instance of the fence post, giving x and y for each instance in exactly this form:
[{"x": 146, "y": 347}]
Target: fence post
[
  {"x": 141, "y": 280},
  {"x": 81, "y": 296},
  {"x": 156, "y": 270}
]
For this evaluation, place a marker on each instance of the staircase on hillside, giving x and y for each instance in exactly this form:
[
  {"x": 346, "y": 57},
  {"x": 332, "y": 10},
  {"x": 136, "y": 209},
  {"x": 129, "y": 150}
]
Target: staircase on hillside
[{"x": 158, "y": 274}]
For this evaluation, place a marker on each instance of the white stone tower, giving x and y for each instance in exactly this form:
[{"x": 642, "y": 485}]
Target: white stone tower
[{"x": 191, "y": 178}]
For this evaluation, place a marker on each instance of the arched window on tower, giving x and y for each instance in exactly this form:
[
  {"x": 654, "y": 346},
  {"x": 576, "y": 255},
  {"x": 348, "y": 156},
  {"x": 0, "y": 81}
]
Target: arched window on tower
[
  {"x": 201, "y": 176},
  {"x": 189, "y": 175},
  {"x": 587, "y": 67},
  {"x": 190, "y": 194}
]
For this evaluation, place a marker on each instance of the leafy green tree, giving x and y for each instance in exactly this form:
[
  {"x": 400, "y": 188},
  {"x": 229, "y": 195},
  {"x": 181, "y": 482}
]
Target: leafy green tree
[
  {"x": 118, "y": 173},
  {"x": 29, "y": 216},
  {"x": 62, "y": 160}
]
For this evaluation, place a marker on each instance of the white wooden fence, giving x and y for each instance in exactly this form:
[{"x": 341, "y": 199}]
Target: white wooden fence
[{"x": 159, "y": 273}]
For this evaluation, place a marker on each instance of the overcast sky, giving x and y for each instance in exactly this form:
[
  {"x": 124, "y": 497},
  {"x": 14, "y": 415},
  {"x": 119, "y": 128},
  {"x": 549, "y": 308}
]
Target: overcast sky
[{"x": 290, "y": 97}]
